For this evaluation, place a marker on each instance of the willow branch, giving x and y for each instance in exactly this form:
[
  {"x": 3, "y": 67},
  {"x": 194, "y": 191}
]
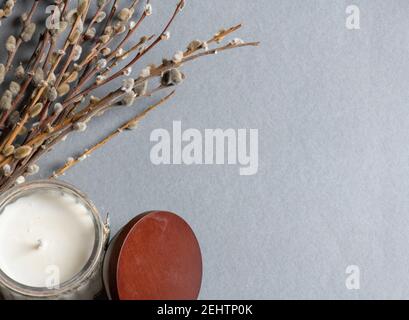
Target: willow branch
[
  {"x": 126, "y": 126},
  {"x": 12, "y": 54}
]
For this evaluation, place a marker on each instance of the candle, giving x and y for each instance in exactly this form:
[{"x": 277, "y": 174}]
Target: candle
[
  {"x": 45, "y": 238},
  {"x": 51, "y": 242}
]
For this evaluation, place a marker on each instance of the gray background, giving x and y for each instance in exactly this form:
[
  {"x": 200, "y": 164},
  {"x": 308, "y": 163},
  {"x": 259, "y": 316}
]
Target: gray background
[{"x": 332, "y": 190}]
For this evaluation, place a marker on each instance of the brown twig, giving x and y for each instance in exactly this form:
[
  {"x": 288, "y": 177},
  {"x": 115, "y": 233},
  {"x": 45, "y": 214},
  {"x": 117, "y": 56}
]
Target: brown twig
[{"x": 131, "y": 123}]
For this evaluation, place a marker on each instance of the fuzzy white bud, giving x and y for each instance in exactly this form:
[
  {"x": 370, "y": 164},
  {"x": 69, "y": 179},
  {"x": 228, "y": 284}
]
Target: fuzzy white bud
[
  {"x": 165, "y": 35},
  {"x": 146, "y": 72},
  {"x": 80, "y": 126},
  {"x": 102, "y": 63},
  {"x": 148, "y": 9},
  {"x": 128, "y": 84},
  {"x": 58, "y": 107},
  {"x": 20, "y": 180},
  {"x": 178, "y": 57},
  {"x": 33, "y": 169}
]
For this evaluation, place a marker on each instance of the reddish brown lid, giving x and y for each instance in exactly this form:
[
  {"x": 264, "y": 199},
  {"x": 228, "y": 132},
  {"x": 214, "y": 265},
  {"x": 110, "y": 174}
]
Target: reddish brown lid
[{"x": 155, "y": 256}]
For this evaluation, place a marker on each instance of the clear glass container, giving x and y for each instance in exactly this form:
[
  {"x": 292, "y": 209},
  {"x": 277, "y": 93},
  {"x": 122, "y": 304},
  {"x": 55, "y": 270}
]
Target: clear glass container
[{"x": 87, "y": 284}]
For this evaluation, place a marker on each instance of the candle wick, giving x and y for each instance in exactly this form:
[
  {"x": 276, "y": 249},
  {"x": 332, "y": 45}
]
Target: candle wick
[{"x": 39, "y": 244}]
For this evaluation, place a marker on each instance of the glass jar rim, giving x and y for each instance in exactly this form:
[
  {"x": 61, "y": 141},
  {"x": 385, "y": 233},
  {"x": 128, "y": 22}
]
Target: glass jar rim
[{"x": 97, "y": 251}]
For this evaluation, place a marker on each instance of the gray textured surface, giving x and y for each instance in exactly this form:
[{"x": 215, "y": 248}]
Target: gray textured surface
[{"x": 332, "y": 190}]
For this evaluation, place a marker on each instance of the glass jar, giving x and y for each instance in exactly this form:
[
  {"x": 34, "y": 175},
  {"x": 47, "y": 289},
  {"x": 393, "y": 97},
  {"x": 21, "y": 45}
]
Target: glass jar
[{"x": 86, "y": 284}]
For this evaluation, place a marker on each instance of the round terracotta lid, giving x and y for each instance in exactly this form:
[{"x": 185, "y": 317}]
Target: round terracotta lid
[{"x": 156, "y": 256}]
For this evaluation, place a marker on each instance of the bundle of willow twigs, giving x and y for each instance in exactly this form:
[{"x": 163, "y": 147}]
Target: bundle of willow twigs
[{"x": 51, "y": 95}]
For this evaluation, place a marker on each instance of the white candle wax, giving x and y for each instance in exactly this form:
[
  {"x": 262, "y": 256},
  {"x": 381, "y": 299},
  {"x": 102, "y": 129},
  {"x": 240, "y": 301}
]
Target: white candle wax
[{"x": 45, "y": 234}]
